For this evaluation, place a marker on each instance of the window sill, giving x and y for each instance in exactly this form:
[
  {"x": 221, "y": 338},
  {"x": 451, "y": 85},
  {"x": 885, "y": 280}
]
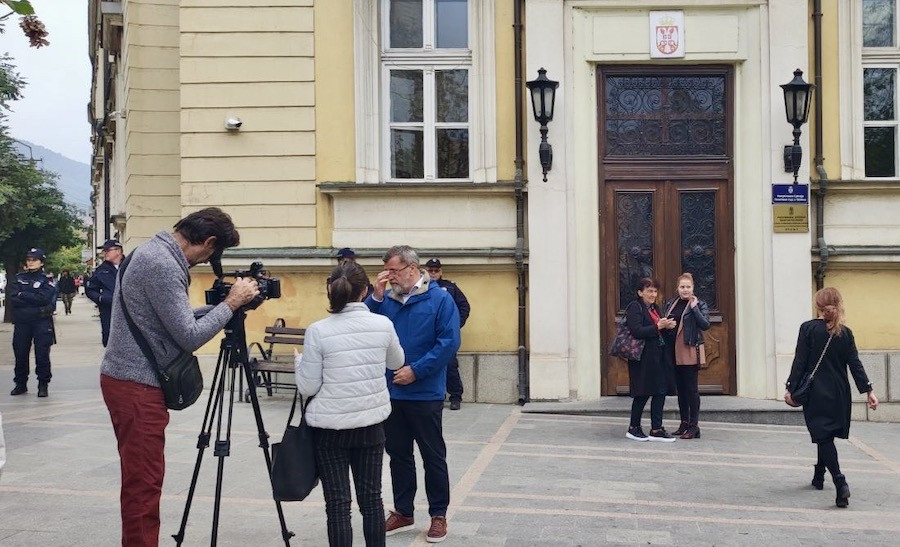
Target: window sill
[
  {"x": 417, "y": 188},
  {"x": 857, "y": 185}
]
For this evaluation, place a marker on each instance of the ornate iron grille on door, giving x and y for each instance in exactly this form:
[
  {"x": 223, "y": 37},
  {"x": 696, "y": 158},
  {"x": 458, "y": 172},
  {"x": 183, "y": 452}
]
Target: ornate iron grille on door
[{"x": 663, "y": 115}]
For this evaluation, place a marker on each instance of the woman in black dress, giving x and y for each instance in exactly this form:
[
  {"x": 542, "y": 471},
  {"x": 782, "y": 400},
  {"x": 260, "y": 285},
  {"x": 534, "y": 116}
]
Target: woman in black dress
[
  {"x": 827, "y": 412},
  {"x": 651, "y": 377}
]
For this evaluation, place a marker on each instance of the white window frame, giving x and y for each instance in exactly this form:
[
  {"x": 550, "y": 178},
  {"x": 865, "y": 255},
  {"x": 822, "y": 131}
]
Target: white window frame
[
  {"x": 853, "y": 58},
  {"x": 371, "y": 71}
]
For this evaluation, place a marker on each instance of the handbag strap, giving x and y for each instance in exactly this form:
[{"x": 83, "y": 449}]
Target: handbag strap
[
  {"x": 303, "y": 406},
  {"x": 135, "y": 331},
  {"x": 813, "y": 373}
]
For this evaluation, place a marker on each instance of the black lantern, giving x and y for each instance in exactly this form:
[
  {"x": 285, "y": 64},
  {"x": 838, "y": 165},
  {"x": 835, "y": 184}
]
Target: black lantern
[
  {"x": 543, "y": 99},
  {"x": 796, "y": 109}
]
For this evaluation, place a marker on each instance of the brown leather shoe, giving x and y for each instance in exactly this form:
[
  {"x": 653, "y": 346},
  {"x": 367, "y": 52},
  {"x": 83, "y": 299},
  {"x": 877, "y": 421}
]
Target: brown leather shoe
[
  {"x": 438, "y": 530},
  {"x": 397, "y": 523}
]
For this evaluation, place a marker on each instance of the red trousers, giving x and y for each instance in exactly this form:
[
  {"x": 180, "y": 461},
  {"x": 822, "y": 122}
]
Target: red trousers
[{"x": 139, "y": 417}]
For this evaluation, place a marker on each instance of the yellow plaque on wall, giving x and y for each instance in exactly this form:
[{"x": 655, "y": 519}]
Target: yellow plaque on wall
[{"x": 790, "y": 218}]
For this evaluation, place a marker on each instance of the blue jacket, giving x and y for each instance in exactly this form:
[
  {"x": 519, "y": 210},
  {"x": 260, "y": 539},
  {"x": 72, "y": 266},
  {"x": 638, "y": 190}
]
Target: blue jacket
[
  {"x": 428, "y": 328},
  {"x": 102, "y": 285},
  {"x": 31, "y": 296}
]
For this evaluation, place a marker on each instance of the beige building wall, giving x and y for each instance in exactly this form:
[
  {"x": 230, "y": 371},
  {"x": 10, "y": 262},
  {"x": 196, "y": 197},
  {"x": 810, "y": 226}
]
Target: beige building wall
[
  {"x": 146, "y": 146},
  {"x": 253, "y": 60}
]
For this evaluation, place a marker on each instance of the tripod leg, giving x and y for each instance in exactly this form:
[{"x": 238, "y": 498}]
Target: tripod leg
[
  {"x": 286, "y": 534},
  {"x": 212, "y": 404},
  {"x": 222, "y": 448}
]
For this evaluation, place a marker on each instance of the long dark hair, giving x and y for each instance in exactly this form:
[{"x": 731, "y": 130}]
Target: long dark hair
[{"x": 347, "y": 282}]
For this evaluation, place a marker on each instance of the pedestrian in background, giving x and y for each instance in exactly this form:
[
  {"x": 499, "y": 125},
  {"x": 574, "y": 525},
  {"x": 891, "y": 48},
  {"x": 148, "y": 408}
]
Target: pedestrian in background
[
  {"x": 343, "y": 364},
  {"x": 101, "y": 286},
  {"x": 454, "y": 382},
  {"x": 427, "y": 323},
  {"x": 651, "y": 377},
  {"x": 826, "y": 340},
  {"x": 685, "y": 348},
  {"x": 348, "y": 256},
  {"x": 31, "y": 298},
  {"x": 67, "y": 289}
]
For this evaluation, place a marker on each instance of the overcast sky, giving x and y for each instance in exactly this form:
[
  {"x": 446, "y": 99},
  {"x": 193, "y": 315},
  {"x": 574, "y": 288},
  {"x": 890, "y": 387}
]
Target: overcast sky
[{"x": 53, "y": 112}]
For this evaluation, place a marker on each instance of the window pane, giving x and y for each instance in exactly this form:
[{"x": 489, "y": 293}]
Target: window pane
[
  {"x": 878, "y": 86},
  {"x": 698, "y": 243},
  {"x": 451, "y": 26},
  {"x": 407, "y": 159},
  {"x": 406, "y": 23},
  {"x": 634, "y": 241},
  {"x": 406, "y": 96},
  {"x": 880, "y": 160},
  {"x": 452, "y": 153},
  {"x": 878, "y": 23},
  {"x": 452, "y": 90}
]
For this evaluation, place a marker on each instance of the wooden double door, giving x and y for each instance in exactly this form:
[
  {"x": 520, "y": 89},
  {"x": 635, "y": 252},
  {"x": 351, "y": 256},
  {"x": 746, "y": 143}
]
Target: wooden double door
[{"x": 666, "y": 206}]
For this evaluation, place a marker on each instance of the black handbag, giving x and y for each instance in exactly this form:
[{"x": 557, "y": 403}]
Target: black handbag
[
  {"x": 800, "y": 395},
  {"x": 294, "y": 472},
  {"x": 181, "y": 380}
]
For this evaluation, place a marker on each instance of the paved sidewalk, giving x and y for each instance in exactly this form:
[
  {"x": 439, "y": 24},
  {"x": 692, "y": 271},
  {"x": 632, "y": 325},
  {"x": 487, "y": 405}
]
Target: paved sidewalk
[{"x": 517, "y": 479}]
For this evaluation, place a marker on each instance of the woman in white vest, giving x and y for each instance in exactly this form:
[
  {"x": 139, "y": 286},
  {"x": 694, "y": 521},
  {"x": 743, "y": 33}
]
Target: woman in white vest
[{"x": 343, "y": 365}]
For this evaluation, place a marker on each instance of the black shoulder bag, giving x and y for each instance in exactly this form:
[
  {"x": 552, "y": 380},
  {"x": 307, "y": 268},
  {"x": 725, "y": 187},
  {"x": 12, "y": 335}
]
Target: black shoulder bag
[
  {"x": 294, "y": 472},
  {"x": 804, "y": 386},
  {"x": 181, "y": 380}
]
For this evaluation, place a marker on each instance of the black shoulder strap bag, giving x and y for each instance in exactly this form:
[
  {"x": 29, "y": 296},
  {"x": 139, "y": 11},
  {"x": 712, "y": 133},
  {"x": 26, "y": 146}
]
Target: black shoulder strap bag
[
  {"x": 804, "y": 387},
  {"x": 294, "y": 471},
  {"x": 181, "y": 380}
]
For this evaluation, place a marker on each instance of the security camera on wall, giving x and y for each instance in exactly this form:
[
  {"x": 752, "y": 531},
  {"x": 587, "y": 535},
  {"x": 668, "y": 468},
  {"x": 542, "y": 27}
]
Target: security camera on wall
[{"x": 232, "y": 123}]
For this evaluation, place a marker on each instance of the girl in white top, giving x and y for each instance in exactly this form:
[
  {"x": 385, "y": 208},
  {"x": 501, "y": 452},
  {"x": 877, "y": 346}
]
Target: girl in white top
[{"x": 343, "y": 364}]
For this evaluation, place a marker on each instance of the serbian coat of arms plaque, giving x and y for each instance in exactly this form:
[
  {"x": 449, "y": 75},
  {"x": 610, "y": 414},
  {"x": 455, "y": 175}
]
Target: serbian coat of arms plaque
[{"x": 666, "y": 34}]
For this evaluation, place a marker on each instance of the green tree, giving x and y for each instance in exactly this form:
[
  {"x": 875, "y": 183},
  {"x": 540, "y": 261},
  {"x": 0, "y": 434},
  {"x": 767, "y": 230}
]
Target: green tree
[{"x": 66, "y": 258}]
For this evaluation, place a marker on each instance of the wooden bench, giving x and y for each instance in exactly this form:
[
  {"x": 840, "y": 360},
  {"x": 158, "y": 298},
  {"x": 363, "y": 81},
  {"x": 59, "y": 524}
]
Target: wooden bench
[{"x": 268, "y": 365}]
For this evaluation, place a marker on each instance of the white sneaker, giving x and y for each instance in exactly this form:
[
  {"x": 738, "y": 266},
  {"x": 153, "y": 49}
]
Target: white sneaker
[
  {"x": 661, "y": 435},
  {"x": 636, "y": 434}
]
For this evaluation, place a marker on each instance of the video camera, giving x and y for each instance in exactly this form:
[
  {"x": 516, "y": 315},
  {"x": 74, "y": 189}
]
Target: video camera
[{"x": 269, "y": 287}]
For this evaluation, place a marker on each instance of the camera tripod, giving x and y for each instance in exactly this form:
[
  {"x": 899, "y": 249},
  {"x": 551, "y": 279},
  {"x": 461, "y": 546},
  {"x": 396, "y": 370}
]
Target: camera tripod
[{"x": 232, "y": 356}]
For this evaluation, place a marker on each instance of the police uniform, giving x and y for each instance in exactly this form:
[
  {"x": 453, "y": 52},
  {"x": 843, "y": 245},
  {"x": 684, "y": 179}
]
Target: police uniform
[
  {"x": 31, "y": 298},
  {"x": 100, "y": 288},
  {"x": 454, "y": 382}
]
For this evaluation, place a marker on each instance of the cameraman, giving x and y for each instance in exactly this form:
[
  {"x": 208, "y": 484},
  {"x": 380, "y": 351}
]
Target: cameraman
[{"x": 155, "y": 285}]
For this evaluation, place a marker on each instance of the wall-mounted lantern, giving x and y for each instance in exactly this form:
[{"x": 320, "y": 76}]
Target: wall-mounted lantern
[
  {"x": 543, "y": 99},
  {"x": 796, "y": 109}
]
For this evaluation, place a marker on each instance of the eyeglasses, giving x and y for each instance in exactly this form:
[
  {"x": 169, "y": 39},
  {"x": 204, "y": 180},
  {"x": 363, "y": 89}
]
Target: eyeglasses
[{"x": 396, "y": 272}]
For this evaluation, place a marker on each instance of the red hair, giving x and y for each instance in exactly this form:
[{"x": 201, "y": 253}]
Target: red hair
[{"x": 830, "y": 305}]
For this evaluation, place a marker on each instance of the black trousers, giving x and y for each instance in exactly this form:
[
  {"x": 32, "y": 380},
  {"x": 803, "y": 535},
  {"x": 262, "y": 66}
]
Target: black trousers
[
  {"x": 338, "y": 452},
  {"x": 454, "y": 382},
  {"x": 105, "y": 318},
  {"x": 41, "y": 333},
  {"x": 656, "y": 410},
  {"x": 419, "y": 421},
  {"x": 688, "y": 393}
]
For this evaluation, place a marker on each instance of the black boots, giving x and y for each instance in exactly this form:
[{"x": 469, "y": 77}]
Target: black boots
[
  {"x": 843, "y": 491},
  {"x": 42, "y": 389},
  {"x": 682, "y": 429},
  {"x": 818, "y": 480},
  {"x": 19, "y": 389}
]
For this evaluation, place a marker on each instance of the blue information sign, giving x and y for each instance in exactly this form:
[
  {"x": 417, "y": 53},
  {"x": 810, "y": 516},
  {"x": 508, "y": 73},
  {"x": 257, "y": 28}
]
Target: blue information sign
[{"x": 790, "y": 193}]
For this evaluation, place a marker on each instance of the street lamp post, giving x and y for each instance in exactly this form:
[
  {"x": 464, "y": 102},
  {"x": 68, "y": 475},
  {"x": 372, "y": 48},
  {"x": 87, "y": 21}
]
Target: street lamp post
[
  {"x": 796, "y": 109},
  {"x": 543, "y": 100}
]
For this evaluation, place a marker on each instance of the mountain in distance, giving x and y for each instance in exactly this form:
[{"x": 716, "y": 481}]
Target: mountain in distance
[{"x": 74, "y": 177}]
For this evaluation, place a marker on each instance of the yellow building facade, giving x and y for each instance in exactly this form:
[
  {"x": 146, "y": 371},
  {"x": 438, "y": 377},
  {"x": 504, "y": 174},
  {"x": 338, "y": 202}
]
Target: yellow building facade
[{"x": 370, "y": 123}]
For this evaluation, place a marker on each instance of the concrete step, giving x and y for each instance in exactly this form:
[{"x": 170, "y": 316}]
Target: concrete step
[{"x": 713, "y": 408}]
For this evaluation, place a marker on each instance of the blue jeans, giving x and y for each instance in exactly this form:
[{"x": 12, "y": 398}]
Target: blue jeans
[{"x": 419, "y": 421}]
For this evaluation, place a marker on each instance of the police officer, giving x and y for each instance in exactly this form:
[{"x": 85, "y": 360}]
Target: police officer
[
  {"x": 101, "y": 286},
  {"x": 31, "y": 297},
  {"x": 454, "y": 382}
]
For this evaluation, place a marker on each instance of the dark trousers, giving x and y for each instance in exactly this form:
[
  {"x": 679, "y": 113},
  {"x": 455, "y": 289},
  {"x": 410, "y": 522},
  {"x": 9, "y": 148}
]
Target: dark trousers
[
  {"x": 419, "y": 421},
  {"x": 67, "y": 301},
  {"x": 454, "y": 382},
  {"x": 41, "y": 333},
  {"x": 688, "y": 393},
  {"x": 827, "y": 456},
  {"x": 656, "y": 410},
  {"x": 337, "y": 452},
  {"x": 105, "y": 316},
  {"x": 139, "y": 417}
]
